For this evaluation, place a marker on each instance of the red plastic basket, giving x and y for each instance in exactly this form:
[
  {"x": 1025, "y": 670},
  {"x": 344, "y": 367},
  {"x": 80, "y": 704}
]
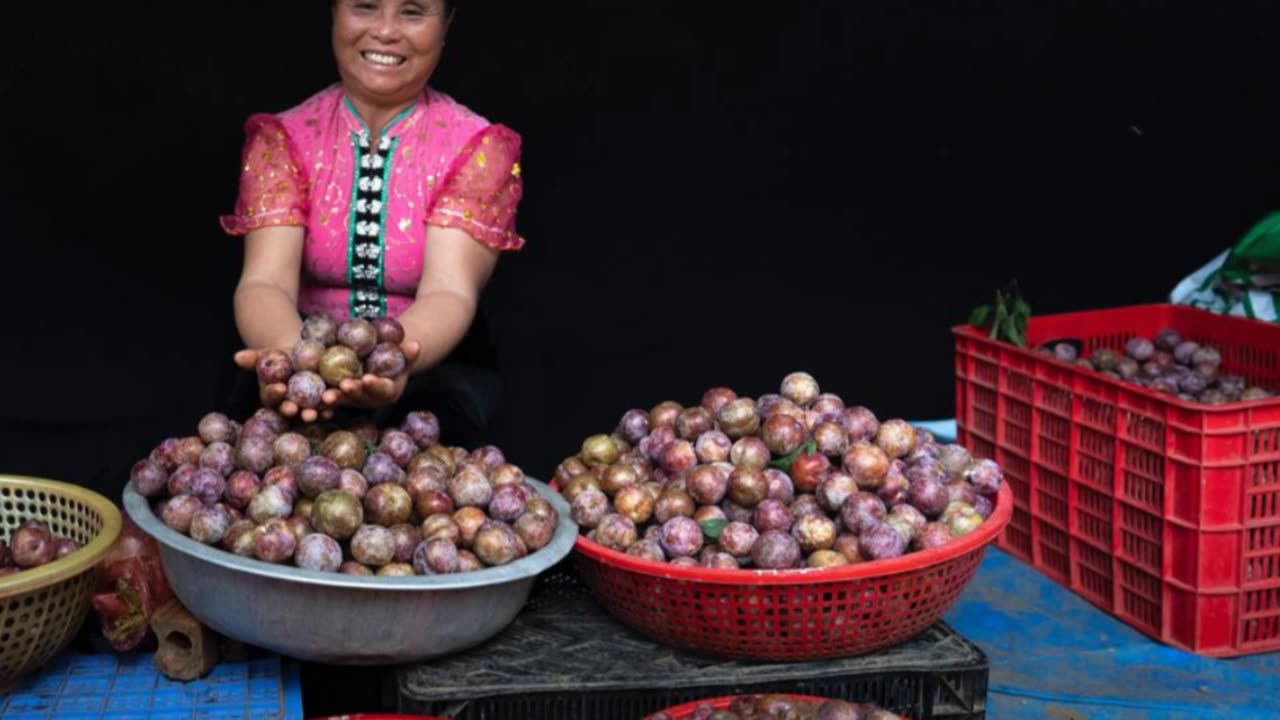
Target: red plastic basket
[
  {"x": 787, "y": 615},
  {"x": 1164, "y": 513},
  {"x": 683, "y": 712}
]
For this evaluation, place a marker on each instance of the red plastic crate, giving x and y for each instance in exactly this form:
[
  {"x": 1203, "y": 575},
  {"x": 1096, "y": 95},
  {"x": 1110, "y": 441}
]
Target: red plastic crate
[{"x": 1162, "y": 512}]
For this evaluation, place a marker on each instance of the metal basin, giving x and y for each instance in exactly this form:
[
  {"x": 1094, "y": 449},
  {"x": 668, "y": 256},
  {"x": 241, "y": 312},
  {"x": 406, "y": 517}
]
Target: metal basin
[{"x": 345, "y": 619}]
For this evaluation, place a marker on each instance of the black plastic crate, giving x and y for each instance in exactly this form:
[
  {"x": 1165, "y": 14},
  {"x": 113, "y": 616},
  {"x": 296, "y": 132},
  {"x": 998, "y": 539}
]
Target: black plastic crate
[{"x": 564, "y": 658}]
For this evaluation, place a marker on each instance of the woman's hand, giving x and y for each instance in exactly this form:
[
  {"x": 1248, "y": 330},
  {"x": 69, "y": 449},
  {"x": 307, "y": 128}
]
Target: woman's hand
[
  {"x": 275, "y": 395},
  {"x": 371, "y": 391}
]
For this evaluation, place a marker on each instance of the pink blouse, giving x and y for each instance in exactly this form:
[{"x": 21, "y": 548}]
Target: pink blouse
[{"x": 365, "y": 209}]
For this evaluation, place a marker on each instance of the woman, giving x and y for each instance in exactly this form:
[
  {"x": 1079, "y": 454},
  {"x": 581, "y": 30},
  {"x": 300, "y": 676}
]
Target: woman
[{"x": 376, "y": 196}]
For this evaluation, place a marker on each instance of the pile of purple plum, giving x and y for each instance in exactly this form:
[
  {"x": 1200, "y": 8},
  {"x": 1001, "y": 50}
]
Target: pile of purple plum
[
  {"x": 330, "y": 352},
  {"x": 33, "y": 544},
  {"x": 1167, "y": 364},
  {"x": 781, "y": 707},
  {"x": 359, "y": 499},
  {"x": 790, "y": 479}
]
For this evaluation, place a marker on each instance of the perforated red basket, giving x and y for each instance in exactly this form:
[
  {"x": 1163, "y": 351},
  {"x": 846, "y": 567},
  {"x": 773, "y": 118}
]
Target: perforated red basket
[
  {"x": 683, "y": 712},
  {"x": 787, "y": 615},
  {"x": 1164, "y": 513}
]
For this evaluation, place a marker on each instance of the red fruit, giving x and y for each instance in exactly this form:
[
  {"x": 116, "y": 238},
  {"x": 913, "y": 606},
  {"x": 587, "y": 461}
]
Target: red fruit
[
  {"x": 748, "y": 486},
  {"x": 589, "y": 508},
  {"x": 772, "y": 515},
  {"x": 861, "y": 511},
  {"x": 833, "y": 491},
  {"x": 828, "y": 404},
  {"x": 274, "y": 542},
  {"x": 321, "y": 328},
  {"x": 633, "y": 426},
  {"x": 274, "y": 366},
  {"x": 929, "y": 496},
  {"x": 318, "y": 552},
  {"x": 738, "y": 418},
  {"x": 388, "y": 330},
  {"x": 780, "y": 485},
  {"x": 692, "y": 422},
  {"x": 290, "y": 449},
  {"x": 861, "y": 424},
  {"x": 32, "y": 546},
  {"x": 713, "y": 446},
  {"x": 750, "y": 452},
  {"x": 359, "y": 335},
  {"x": 800, "y": 388},
  {"x": 317, "y": 474},
  {"x": 216, "y": 427},
  {"x": 716, "y": 398},
  {"x": 681, "y": 537},
  {"x": 306, "y": 355},
  {"x": 737, "y": 538},
  {"x": 867, "y": 463},
  {"x": 616, "y": 532},
  {"x": 775, "y": 550},
  {"x": 306, "y": 389},
  {"x": 149, "y": 478},
  {"x": 814, "y": 532},
  {"x": 782, "y": 434},
  {"x": 664, "y": 414},
  {"x": 706, "y": 485},
  {"x": 672, "y": 503},
  {"x": 808, "y": 470},
  {"x": 387, "y": 505},
  {"x": 677, "y": 457},
  {"x": 881, "y": 542},
  {"x": 423, "y": 427},
  {"x": 896, "y": 438},
  {"x": 831, "y": 438}
]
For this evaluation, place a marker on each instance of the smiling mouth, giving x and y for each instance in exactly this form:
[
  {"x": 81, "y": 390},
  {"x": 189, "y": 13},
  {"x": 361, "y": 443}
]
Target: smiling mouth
[{"x": 383, "y": 59}]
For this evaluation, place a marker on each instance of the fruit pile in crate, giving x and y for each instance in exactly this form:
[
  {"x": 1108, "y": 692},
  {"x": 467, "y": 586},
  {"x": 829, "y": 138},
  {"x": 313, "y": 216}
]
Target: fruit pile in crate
[
  {"x": 775, "y": 707},
  {"x": 698, "y": 520},
  {"x": 1142, "y": 445}
]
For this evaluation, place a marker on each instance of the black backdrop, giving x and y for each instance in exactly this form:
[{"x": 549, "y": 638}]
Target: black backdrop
[{"x": 716, "y": 193}]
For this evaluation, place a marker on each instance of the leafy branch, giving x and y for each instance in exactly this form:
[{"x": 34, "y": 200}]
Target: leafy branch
[{"x": 1007, "y": 318}]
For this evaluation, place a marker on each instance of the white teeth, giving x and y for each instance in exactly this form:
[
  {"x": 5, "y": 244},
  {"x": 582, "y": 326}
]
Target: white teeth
[{"x": 380, "y": 59}]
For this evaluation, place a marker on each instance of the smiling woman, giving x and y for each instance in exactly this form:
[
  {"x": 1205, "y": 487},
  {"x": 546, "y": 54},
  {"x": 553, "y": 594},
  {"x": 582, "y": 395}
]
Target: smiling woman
[{"x": 376, "y": 197}]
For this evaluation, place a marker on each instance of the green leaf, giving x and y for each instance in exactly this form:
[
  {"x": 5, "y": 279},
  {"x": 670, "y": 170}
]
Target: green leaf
[
  {"x": 978, "y": 318},
  {"x": 784, "y": 463},
  {"x": 1016, "y": 336},
  {"x": 811, "y": 447},
  {"x": 1021, "y": 308},
  {"x": 711, "y": 528},
  {"x": 1002, "y": 317}
]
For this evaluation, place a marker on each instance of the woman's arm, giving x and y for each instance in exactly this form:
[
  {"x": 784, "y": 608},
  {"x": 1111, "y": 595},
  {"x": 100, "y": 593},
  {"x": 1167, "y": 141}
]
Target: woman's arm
[
  {"x": 266, "y": 307},
  {"x": 456, "y": 269},
  {"x": 266, "y": 299}
]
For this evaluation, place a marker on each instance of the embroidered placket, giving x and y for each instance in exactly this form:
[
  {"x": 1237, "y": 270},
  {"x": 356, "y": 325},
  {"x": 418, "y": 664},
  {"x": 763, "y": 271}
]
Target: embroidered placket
[{"x": 366, "y": 248}]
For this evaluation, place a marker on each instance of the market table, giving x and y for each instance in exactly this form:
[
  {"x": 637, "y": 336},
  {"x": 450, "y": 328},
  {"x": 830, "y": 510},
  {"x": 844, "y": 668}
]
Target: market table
[{"x": 1055, "y": 655}]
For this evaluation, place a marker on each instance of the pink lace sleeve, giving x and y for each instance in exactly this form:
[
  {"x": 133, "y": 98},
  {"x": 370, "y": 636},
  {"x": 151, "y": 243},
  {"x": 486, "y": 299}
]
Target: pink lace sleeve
[
  {"x": 483, "y": 188},
  {"x": 273, "y": 190}
]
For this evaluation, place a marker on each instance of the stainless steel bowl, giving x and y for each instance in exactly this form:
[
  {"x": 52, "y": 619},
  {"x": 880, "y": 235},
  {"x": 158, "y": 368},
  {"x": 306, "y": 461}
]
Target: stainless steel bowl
[{"x": 345, "y": 619}]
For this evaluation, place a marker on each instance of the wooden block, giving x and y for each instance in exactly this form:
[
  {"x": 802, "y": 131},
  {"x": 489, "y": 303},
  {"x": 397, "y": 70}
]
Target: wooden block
[{"x": 188, "y": 650}]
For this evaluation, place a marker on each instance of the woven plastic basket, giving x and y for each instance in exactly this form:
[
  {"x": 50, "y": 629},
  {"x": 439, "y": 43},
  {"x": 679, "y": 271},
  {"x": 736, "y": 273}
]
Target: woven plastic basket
[
  {"x": 788, "y": 615},
  {"x": 43, "y": 608}
]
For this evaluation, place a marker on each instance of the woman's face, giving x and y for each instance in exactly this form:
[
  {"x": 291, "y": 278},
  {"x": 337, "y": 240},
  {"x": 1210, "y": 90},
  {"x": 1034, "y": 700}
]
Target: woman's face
[{"x": 387, "y": 49}]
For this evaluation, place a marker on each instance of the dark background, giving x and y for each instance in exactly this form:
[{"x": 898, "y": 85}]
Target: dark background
[{"x": 716, "y": 193}]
